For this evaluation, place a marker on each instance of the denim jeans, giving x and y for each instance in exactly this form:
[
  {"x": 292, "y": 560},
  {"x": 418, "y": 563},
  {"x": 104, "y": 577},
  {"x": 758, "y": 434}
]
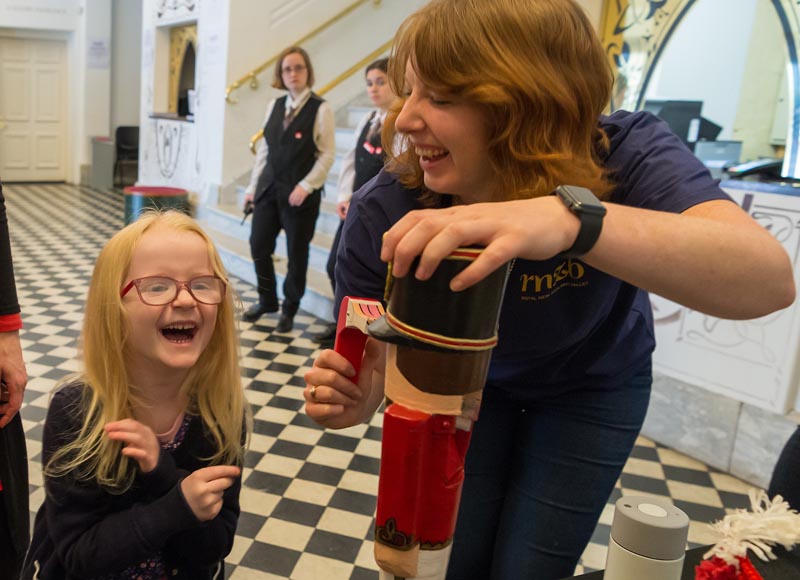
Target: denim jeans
[{"x": 538, "y": 473}]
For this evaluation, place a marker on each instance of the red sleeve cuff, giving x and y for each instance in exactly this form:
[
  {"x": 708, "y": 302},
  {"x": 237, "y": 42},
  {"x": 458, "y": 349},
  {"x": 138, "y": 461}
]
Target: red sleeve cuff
[{"x": 10, "y": 322}]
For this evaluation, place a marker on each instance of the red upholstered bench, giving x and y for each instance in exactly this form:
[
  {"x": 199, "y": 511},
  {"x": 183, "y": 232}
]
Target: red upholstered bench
[{"x": 141, "y": 197}]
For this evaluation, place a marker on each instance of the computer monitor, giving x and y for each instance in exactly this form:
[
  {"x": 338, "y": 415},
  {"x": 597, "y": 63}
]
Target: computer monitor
[
  {"x": 683, "y": 117},
  {"x": 701, "y": 129},
  {"x": 654, "y": 106},
  {"x": 716, "y": 155}
]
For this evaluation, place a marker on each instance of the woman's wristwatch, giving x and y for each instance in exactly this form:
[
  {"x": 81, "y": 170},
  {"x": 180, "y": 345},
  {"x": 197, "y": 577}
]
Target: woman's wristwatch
[{"x": 584, "y": 204}]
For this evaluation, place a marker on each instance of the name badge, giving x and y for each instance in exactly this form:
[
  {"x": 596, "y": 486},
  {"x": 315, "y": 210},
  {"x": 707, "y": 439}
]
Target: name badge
[{"x": 372, "y": 150}]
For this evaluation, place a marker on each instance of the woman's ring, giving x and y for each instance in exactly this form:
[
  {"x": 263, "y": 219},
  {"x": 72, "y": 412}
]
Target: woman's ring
[{"x": 313, "y": 392}]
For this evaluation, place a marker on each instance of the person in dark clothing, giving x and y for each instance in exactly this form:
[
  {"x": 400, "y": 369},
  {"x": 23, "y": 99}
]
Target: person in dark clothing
[
  {"x": 786, "y": 475},
  {"x": 501, "y": 108},
  {"x": 142, "y": 453},
  {"x": 362, "y": 163},
  {"x": 292, "y": 163},
  {"x": 14, "y": 502}
]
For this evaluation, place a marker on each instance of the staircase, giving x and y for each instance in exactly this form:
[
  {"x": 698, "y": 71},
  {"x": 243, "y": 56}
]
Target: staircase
[{"x": 223, "y": 222}]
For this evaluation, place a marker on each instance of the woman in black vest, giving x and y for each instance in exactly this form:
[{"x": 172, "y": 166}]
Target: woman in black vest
[
  {"x": 363, "y": 162},
  {"x": 292, "y": 163}
]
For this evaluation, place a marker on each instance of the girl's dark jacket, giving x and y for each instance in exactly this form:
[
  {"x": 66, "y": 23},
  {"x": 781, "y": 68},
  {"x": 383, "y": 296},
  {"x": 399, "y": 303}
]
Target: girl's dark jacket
[{"x": 82, "y": 531}]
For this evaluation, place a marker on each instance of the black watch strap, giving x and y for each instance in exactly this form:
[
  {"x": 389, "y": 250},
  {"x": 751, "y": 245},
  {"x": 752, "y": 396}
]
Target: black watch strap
[{"x": 585, "y": 205}]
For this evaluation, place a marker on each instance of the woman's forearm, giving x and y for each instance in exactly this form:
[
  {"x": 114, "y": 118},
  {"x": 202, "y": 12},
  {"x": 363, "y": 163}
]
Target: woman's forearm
[{"x": 712, "y": 258}]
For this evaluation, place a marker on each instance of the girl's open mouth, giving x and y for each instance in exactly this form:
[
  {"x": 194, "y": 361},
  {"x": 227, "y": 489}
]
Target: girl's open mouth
[{"x": 183, "y": 332}]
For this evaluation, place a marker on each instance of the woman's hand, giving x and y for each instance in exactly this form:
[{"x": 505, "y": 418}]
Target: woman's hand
[
  {"x": 298, "y": 196},
  {"x": 140, "y": 443},
  {"x": 12, "y": 371},
  {"x": 533, "y": 229},
  {"x": 333, "y": 400},
  {"x": 203, "y": 489},
  {"x": 341, "y": 209}
]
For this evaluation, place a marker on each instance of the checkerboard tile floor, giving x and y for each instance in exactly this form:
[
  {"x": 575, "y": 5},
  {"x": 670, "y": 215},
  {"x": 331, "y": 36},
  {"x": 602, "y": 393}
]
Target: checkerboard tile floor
[{"x": 309, "y": 494}]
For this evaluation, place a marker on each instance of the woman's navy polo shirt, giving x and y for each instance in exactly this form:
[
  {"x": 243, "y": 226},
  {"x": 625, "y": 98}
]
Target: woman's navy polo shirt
[{"x": 563, "y": 323}]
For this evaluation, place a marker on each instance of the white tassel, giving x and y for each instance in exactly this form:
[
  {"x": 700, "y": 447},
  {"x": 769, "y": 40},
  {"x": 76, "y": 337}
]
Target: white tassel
[{"x": 769, "y": 523}]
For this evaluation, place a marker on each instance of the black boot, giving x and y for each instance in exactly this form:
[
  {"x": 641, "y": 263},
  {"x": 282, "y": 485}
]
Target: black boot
[
  {"x": 327, "y": 335},
  {"x": 285, "y": 323},
  {"x": 258, "y": 310}
]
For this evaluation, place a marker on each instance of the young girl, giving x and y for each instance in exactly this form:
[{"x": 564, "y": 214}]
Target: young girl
[
  {"x": 501, "y": 103},
  {"x": 142, "y": 454}
]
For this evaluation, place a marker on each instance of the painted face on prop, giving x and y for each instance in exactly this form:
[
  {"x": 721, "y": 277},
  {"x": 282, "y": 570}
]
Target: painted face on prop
[{"x": 170, "y": 331}]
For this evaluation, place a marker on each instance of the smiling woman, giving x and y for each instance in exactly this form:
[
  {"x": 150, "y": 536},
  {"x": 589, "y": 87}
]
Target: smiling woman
[{"x": 501, "y": 107}]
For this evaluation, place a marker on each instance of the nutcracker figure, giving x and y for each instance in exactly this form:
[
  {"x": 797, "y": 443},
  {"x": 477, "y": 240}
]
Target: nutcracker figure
[{"x": 439, "y": 346}]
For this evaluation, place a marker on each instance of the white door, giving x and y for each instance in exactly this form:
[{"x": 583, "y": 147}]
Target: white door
[{"x": 33, "y": 105}]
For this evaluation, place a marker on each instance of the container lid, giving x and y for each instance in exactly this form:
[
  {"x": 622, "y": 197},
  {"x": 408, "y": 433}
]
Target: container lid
[{"x": 651, "y": 527}]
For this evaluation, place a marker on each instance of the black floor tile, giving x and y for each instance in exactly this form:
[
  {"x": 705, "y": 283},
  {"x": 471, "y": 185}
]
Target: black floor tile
[
  {"x": 687, "y": 475},
  {"x": 298, "y": 512},
  {"x": 353, "y": 501},
  {"x": 338, "y": 442},
  {"x": 321, "y": 474},
  {"x": 333, "y": 546},
  {"x": 269, "y": 482},
  {"x": 273, "y": 559}
]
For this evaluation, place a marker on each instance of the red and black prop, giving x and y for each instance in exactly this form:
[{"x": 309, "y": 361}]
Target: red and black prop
[{"x": 439, "y": 347}]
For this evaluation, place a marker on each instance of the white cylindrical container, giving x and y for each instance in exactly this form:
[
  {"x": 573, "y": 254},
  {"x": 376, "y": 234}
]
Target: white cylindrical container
[{"x": 648, "y": 540}]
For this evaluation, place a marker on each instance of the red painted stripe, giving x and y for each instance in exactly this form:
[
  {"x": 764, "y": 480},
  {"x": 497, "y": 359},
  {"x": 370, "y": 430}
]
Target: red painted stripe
[
  {"x": 487, "y": 343},
  {"x": 376, "y": 310},
  {"x": 466, "y": 253}
]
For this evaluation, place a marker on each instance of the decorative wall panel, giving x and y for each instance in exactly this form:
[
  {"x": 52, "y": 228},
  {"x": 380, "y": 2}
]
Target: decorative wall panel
[
  {"x": 635, "y": 32},
  {"x": 753, "y": 361}
]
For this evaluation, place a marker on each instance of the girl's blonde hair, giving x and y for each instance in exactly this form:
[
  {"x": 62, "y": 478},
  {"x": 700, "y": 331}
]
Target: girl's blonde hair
[
  {"x": 213, "y": 384},
  {"x": 535, "y": 68}
]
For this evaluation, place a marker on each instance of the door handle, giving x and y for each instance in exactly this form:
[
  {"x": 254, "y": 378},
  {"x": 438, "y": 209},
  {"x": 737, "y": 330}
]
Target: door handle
[{"x": 2, "y": 123}]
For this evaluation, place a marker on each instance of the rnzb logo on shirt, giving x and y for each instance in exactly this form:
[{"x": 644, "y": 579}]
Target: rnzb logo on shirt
[{"x": 543, "y": 286}]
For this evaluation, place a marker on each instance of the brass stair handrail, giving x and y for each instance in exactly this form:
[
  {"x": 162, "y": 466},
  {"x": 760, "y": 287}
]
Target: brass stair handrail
[
  {"x": 335, "y": 82},
  {"x": 252, "y": 75}
]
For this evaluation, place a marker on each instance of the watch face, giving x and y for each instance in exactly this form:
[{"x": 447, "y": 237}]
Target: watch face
[{"x": 580, "y": 199}]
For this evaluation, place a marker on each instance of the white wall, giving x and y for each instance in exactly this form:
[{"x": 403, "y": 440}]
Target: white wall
[
  {"x": 763, "y": 85},
  {"x": 126, "y": 62},
  {"x": 594, "y": 8},
  {"x": 705, "y": 59},
  {"x": 87, "y": 24},
  {"x": 40, "y": 14},
  {"x": 91, "y": 81},
  {"x": 214, "y": 35}
]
